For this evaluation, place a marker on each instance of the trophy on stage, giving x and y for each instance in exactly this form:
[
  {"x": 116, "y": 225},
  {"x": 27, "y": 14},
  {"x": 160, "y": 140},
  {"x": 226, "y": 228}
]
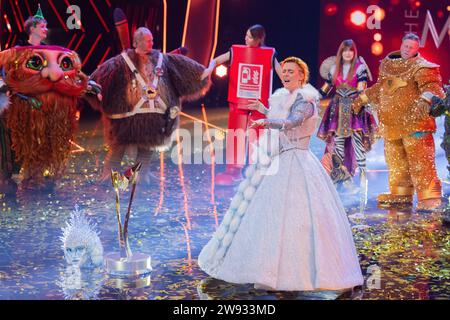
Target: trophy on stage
[{"x": 125, "y": 263}]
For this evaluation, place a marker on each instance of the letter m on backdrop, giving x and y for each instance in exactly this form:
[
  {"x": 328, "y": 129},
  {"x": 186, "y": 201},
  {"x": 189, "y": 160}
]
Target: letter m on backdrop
[{"x": 430, "y": 27}]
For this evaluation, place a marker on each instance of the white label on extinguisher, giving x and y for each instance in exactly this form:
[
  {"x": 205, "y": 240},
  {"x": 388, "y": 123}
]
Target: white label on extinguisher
[{"x": 250, "y": 81}]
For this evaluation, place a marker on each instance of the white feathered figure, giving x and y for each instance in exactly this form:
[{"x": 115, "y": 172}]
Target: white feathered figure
[{"x": 80, "y": 242}]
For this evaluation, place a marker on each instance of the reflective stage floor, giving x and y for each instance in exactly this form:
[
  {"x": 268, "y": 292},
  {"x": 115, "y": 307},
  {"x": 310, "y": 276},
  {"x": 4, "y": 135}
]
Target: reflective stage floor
[{"x": 404, "y": 254}]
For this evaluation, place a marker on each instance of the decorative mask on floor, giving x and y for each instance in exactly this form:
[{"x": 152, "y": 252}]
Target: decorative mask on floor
[{"x": 80, "y": 242}]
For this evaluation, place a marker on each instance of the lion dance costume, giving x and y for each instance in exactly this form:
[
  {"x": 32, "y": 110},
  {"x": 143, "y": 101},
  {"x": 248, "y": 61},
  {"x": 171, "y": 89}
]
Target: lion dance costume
[
  {"x": 46, "y": 82},
  {"x": 402, "y": 99}
]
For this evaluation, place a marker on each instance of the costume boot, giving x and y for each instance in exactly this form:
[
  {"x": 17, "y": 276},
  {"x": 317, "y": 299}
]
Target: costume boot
[
  {"x": 430, "y": 198},
  {"x": 339, "y": 172},
  {"x": 392, "y": 198}
]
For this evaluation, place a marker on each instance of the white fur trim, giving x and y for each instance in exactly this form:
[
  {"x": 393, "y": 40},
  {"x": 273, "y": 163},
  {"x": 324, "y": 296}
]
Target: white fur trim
[
  {"x": 249, "y": 192},
  {"x": 235, "y": 203},
  {"x": 242, "y": 208},
  {"x": 250, "y": 171},
  {"x": 244, "y": 184},
  {"x": 225, "y": 243},
  {"x": 281, "y": 101},
  {"x": 234, "y": 225},
  {"x": 221, "y": 232},
  {"x": 4, "y": 102},
  {"x": 221, "y": 252}
]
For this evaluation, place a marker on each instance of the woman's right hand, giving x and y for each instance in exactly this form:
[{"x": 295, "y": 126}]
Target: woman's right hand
[{"x": 256, "y": 105}]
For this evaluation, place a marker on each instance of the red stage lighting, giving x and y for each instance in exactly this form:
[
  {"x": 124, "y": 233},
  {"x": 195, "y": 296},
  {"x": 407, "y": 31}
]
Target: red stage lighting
[
  {"x": 380, "y": 14},
  {"x": 8, "y": 25},
  {"x": 377, "y": 48},
  {"x": 377, "y": 36},
  {"x": 331, "y": 9},
  {"x": 358, "y": 18}
]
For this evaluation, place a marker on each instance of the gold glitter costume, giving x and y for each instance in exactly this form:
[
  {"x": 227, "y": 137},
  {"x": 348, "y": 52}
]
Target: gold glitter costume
[{"x": 402, "y": 98}]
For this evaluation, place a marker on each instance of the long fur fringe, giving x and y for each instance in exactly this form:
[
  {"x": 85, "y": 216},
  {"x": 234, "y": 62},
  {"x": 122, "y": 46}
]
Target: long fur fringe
[
  {"x": 41, "y": 136},
  {"x": 4, "y": 102},
  {"x": 180, "y": 81}
]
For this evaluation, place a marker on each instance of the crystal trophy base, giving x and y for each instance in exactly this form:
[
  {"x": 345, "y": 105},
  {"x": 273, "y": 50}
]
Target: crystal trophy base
[
  {"x": 138, "y": 282},
  {"x": 138, "y": 264}
]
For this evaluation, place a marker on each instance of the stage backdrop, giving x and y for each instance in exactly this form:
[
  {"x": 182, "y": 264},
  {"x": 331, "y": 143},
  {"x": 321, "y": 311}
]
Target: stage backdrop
[
  {"x": 380, "y": 31},
  {"x": 292, "y": 28},
  {"x": 96, "y": 40}
]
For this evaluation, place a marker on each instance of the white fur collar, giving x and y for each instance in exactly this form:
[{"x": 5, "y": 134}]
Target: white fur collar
[{"x": 282, "y": 100}]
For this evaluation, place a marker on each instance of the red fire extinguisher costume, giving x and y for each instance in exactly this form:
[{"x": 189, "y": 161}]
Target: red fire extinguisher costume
[{"x": 250, "y": 78}]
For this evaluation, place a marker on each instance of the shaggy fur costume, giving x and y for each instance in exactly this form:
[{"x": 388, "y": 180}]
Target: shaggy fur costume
[{"x": 180, "y": 80}]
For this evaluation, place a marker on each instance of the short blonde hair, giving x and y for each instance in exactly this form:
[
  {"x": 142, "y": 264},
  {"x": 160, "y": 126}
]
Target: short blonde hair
[{"x": 301, "y": 64}]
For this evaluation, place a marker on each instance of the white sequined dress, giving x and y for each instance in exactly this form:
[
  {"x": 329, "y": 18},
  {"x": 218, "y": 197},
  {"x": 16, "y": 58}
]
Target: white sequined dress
[{"x": 286, "y": 227}]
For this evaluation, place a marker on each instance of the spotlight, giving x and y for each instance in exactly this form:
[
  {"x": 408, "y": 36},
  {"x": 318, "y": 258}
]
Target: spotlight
[
  {"x": 377, "y": 36},
  {"x": 331, "y": 9},
  {"x": 377, "y": 48},
  {"x": 221, "y": 71},
  {"x": 8, "y": 25},
  {"x": 380, "y": 14},
  {"x": 358, "y": 18}
]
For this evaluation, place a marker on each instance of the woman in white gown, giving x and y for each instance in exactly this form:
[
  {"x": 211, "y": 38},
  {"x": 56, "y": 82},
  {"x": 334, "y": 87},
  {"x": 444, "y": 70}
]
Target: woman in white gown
[{"x": 286, "y": 228}]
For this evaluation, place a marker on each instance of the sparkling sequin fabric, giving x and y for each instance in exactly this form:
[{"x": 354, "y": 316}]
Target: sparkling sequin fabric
[
  {"x": 397, "y": 95},
  {"x": 406, "y": 126}
]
